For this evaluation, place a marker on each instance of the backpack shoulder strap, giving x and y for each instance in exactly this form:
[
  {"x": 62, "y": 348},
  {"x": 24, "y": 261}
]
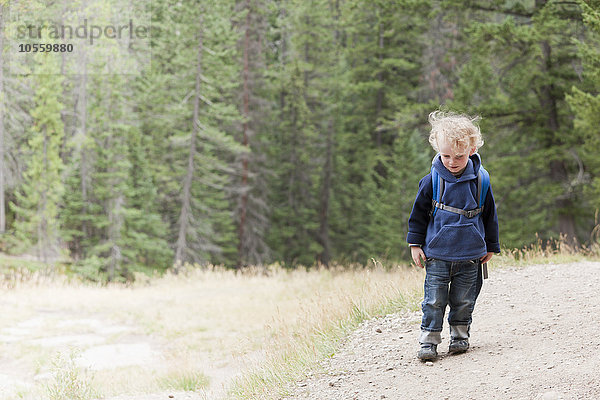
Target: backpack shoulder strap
[
  {"x": 483, "y": 185},
  {"x": 438, "y": 185}
]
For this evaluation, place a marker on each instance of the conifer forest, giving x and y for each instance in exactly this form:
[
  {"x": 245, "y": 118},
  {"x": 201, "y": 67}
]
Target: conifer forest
[{"x": 250, "y": 132}]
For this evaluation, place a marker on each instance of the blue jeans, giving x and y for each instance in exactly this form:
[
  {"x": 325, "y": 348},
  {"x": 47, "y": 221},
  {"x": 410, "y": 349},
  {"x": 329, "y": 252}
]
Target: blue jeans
[{"x": 451, "y": 283}]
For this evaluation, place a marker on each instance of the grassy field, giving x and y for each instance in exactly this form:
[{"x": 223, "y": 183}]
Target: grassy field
[
  {"x": 210, "y": 331},
  {"x": 186, "y": 332}
]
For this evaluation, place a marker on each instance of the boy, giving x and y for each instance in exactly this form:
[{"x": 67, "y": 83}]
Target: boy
[{"x": 453, "y": 237}]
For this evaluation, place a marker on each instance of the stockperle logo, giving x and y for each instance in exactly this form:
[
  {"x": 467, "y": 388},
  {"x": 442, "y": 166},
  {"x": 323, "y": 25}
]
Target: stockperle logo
[{"x": 93, "y": 37}]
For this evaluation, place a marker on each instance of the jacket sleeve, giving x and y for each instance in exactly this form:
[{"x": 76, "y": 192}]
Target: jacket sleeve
[
  {"x": 490, "y": 222},
  {"x": 419, "y": 216}
]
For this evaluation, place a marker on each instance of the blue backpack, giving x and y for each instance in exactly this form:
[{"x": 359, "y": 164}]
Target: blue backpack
[{"x": 483, "y": 184}]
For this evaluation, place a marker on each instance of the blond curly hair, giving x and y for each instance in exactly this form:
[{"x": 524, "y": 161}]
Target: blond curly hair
[{"x": 460, "y": 130}]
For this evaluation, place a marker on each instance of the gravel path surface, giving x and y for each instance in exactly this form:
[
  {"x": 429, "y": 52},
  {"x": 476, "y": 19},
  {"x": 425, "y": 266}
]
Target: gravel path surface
[{"x": 535, "y": 335}]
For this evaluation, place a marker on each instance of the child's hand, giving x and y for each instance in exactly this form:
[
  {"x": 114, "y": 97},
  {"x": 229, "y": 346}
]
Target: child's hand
[
  {"x": 417, "y": 253},
  {"x": 486, "y": 258}
]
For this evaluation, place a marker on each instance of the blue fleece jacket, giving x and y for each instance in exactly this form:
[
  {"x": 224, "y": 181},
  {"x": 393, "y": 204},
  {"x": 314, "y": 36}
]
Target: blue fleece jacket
[{"x": 449, "y": 236}]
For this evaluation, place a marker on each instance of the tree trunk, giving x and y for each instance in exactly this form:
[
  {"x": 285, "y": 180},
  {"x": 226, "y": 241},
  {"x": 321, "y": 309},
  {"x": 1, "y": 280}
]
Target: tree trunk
[
  {"x": 63, "y": 151},
  {"x": 187, "y": 185},
  {"x": 43, "y": 238},
  {"x": 246, "y": 116},
  {"x": 325, "y": 256},
  {"x": 558, "y": 170},
  {"x": 564, "y": 203},
  {"x": 115, "y": 218},
  {"x": 324, "y": 199},
  {"x": 379, "y": 98},
  {"x": 2, "y": 108},
  {"x": 84, "y": 168}
]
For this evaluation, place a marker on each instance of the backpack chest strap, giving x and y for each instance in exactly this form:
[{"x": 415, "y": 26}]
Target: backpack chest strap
[{"x": 467, "y": 213}]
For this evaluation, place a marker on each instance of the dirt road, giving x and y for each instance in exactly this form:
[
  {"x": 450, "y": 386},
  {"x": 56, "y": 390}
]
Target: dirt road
[{"x": 535, "y": 335}]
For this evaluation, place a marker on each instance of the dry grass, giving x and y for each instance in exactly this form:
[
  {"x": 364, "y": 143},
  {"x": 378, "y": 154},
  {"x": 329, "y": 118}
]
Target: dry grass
[
  {"x": 197, "y": 319},
  {"x": 326, "y": 317},
  {"x": 69, "y": 382},
  {"x": 545, "y": 252},
  {"x": 271, "y": 324}
]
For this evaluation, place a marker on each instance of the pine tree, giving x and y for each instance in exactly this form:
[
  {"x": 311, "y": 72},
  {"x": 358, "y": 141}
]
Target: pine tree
[
  {"x": 38, "y": 199},
  {"x": 382, "y": 54},
  {"x": 77, "y": 152},
  {"x": 302, "y": 145},
  {"x": 145, "y": 233},
  {"x": 251, "y": 211},
  {"x": 194, "y": 142},
  {"x": 109, "y": 214},
  {"x": 108, "y": 128},
  {"x": 16, "y": 100},
  {"x": 294, "y": 212},
  {"x": 519, "y": 61},
  {"x": 585, "y": 103}
]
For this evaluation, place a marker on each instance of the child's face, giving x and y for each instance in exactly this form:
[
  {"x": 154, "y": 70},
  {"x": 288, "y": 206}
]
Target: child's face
[{"x": 455, "y": 160}]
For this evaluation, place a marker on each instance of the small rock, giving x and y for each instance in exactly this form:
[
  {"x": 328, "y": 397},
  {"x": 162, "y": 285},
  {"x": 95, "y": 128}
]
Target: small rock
[
  {"x": 378, "y": 330},
  {"x": 429, "y": 364}
]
